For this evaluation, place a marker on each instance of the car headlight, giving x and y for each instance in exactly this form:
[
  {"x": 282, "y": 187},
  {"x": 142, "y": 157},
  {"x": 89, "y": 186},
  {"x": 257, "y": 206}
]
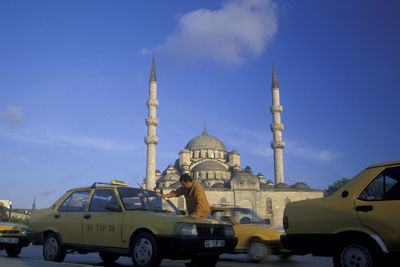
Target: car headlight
[
  {"x": 229, "y": 230},
  {"x": 185, "y": 229},
  {"x": 24, "y": 231}
]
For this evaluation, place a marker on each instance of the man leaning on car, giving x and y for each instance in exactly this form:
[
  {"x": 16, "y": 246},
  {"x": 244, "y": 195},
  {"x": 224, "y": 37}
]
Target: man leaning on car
[{"x": 195, "y": 196}]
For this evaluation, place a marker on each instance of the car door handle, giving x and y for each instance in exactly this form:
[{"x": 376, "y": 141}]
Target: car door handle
[
  {"x": 365, "y": 208},
  {"x": 87, "y": 216},
  {"x": 57, "y": 216}
]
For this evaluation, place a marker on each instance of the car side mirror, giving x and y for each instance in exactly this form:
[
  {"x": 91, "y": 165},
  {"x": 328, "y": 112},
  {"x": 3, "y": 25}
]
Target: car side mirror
[{"x": 113, "y": 207}]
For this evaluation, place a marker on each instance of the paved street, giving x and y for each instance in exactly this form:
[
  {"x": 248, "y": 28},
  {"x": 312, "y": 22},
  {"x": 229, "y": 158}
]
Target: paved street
[{"x": 31, "y": 256}]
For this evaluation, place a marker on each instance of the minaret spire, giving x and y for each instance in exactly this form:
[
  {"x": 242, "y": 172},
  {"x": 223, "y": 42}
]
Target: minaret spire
[
  {"x": 151, "y": 139},
  {"x": 205, "y": 128},
  {"x": 277, "y": 127},
  {"x": 153, "y": 72}
]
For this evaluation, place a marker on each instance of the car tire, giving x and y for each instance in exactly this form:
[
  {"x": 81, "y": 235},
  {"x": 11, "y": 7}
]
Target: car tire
[
  {"x": 13, "y": 252},
  {"x": 258, "y": 251},
  {"x": 52, "y": 248},
  {"x": 145, "y": 251},
  {"x": 356, "y": 254},
  {"x": 108, "y": 257}
]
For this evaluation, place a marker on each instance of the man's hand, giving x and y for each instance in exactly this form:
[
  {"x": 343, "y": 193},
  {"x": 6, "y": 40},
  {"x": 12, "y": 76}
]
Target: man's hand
[{"x": 161, "y": 195}]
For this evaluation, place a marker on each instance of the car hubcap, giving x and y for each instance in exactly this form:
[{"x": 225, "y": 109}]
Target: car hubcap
[
  {"x": 257, "y": 251},
  {"x": 51, "y": 248},
  {"x": 356, "y": 255},
  {"x": 143, "y": 250}
]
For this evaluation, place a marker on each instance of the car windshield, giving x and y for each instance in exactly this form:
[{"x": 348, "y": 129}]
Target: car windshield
[
  {"x": 243, "y": 216},
  {"x": 139, "y": 199}
]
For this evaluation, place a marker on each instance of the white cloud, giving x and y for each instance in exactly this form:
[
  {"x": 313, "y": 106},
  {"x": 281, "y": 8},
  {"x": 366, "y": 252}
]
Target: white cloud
[
  {"x": 241, "y": 28},
  {"x": 13, "y": 115},
  {"x": 303, "y": 151}
]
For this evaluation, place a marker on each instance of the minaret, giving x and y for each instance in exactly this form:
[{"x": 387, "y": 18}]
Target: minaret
[
  {"x": 151, "y": 139},
  {"x": 277, "y": 127},
  {"x": 34, "y": 204}
]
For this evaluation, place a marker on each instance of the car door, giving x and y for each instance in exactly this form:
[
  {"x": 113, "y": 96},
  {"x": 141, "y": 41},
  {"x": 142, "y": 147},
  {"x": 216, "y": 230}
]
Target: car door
[
  {"x": 378, "y": 207},
  {"x": 102, "y": 222},
  {"x": 68, "y": 218}
]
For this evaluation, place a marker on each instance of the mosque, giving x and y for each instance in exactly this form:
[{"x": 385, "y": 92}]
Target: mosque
[{"x": 207, "y": 160}]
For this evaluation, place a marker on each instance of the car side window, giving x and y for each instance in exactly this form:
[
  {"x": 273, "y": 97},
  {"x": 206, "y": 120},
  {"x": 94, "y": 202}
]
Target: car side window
[
  {"x": 101, "y": 198},
  {"x": 384, "y": 187},
  {"x": 75, "y": 202},
  {"x": 374, "y": 191},
  {"x": 217, "y": 214},
  {"x": 392, "y": 183}
]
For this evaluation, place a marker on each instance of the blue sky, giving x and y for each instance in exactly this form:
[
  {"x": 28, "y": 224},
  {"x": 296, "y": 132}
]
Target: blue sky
[{"x": 74, "y": 84}]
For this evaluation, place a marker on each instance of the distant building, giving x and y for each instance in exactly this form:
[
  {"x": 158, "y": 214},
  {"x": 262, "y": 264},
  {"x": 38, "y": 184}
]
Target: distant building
[
  {"x": 207, "y": 160},
  {"x": 6, "y": 203}
]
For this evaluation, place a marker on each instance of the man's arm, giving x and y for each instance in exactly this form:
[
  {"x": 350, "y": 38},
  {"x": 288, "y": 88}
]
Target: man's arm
[{"x": 176, "y": 193}]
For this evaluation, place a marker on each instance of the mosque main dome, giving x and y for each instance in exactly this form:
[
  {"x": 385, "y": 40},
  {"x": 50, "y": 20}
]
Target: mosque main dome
[{"x": 205, "y": 141}]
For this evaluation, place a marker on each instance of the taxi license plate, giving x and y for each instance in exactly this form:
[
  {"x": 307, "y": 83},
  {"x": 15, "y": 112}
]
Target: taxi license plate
[
  {"x": 214, "y": 243},
  {"x": 10, "y": 240}
]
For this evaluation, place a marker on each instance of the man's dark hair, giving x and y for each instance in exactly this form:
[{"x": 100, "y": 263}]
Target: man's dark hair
[{"x": 185, "y": 178}]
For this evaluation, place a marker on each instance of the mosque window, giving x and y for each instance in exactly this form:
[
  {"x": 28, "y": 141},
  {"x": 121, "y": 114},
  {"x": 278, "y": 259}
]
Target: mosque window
[
  {"x": 223, "y": 201},
  {"x": 269, "y": 205}
]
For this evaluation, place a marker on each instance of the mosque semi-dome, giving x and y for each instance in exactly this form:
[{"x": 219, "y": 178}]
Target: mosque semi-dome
[
  {"x": 281, "y": 186},
  {"x": 300, "y": 186},
  {"x": 205, "y": 141},
  {"x": 209, "y": 166},
  {"x": 218, "y": 185},
  {"x": 243, "y": 177}
]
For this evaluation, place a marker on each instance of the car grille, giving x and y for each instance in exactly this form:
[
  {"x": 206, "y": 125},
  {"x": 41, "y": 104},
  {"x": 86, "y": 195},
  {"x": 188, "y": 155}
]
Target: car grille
[
  {"x": 9, "y": 232},
  {"x": 210, "y": 230}
]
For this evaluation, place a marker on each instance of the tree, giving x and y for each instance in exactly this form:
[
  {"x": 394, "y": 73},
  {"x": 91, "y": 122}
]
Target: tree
[
  {"x": 3, "y": 211},
  {"x": 336, "y": 186}
]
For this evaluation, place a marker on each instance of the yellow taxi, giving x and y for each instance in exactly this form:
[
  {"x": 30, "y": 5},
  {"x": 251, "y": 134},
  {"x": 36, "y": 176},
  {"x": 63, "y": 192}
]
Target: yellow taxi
[
  {"x": 255, "y": 237},
  {"x": 359, "y": 225},
  {"x": 115, "y": 220},
  {"x": 13, "y": 238}
]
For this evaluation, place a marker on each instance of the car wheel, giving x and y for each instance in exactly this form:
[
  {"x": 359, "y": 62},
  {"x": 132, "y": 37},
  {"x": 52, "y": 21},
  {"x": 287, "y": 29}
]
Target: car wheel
[
  {"x": 356, "y": 254},
  {"x": 13, "y": 252},
  {"x": 108, "y": 257},
  {"x": 52, "y": 249},
  {"x": 258, "y": 251},
  {"x": 145, "y": 251}
]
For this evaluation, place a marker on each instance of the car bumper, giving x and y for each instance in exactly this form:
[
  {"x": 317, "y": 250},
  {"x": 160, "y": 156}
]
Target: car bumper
[
  {"x": 182, "y": 247},
  {"x": 36, "y": 237},
  {"x": 9, "y": 241},
  {"x": 316, "y": 244}
]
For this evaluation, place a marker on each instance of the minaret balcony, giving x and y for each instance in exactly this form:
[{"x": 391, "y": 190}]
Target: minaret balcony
[
  {"x": 151, "y": 140},
  {"x": 152, "y": 103},
  {"x": 277, "y": 127},
  {"x": 152, "y": 121},
  {"x": 277, "y": 144},
  {"x": 276, "y": 108}
]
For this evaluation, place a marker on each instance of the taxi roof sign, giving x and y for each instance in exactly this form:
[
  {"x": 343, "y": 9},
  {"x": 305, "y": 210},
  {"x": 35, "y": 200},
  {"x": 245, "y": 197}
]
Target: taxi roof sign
[
  {"x": 116, "y": 182},
  {"x": 113, "y": 182}
]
